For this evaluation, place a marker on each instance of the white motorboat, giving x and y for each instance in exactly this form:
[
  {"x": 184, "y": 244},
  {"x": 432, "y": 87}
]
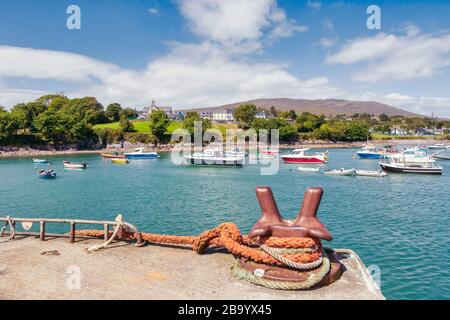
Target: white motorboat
[
  {"x": 307, "y": 169},
  {"x": 437, "y": 146},
  {"x": 411, "y": 156},
  {"x": 214, "y": 157},
  {"x": 139, "y": 153},
  {"x": 341, "y": 172},
  {"x": 371, "y": 173},
  {"x": 75, "y": 166},
  {"x": 235, "y": 152},
  {"x": 418, "y": 168}
]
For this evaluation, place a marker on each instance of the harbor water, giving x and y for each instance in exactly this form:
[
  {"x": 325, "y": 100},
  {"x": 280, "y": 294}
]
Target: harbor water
[{"x": 399, "y": 224}]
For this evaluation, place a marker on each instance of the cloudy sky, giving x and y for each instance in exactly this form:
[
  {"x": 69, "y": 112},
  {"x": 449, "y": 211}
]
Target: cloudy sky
[{"x": 198, "y": 53}]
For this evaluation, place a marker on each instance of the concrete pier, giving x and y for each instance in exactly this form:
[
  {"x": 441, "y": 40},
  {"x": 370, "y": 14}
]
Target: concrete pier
[{"x": 34, "y": 269}]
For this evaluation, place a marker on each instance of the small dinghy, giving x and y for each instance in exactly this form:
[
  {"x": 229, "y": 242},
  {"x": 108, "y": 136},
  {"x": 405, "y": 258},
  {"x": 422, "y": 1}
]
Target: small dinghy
[
  {"x": 40, "y": 161},
  {"x": 341, "y": 172},
  {"x": 306, "y": 169},
  {"x": 47, "y": 174},
  {"x": 371, "y": 173},
  {"x": 120, "y": 161},
  {"x": 76, "y": 166}
]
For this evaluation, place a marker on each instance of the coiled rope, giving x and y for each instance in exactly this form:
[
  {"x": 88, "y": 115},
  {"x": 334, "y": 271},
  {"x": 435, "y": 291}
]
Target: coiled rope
[{"x": 302, "y": 254}]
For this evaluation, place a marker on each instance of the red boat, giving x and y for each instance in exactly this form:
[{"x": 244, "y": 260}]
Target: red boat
[{"x": 300, "y": 156}]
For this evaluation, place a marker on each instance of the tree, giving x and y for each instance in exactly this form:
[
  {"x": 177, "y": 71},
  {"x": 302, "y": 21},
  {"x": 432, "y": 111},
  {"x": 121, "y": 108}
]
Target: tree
[
  {"x": 273, "y": 111},
  {"x": 125, "y": 124},
  {"x": 129, "y": 113},
  {"x": 245, "y": 114},
  {"x": 113, "y": 112},
  {"x": 189, "y": 122},
  {"x": 8, "y": 126},
  {"x": 383, "y": 117},
  {"x": 159, "y": 122},
  {"x": 292, "y": 115}
]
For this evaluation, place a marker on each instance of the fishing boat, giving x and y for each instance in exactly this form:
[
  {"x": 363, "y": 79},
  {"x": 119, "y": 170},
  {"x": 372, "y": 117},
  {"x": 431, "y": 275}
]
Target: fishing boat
[
  {"x": 307, "y": 169},
  {"x": 437, "y": 146},
  {"x": 214, "y": 157},
  {"x": 114, "y": 155},
  {"x": 418, "y": 168},
  {"x": 120, "y": 161},
  {"x": 300, "y": 156},
  {"x": 341, "y": 172},
  {"x": 373, "y": 152},
  {"x": 371, "y": 173},
  {"x": 41, "y": 161},
  {"x": 139, "y": 153},
  {"x": 411, "y": 156},
  {"x": 47, "y": 174},
  {"x": 76, "y": 166}
]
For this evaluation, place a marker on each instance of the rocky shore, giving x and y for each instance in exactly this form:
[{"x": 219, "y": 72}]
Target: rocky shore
[{"x": 16, "y": 152}]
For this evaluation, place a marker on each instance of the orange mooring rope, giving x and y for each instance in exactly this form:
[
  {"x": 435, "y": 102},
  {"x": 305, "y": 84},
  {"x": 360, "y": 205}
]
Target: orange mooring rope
[{"x": 228, "y": 235}]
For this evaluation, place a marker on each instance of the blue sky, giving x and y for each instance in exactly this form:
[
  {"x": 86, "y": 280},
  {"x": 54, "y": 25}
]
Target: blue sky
[{"x": 198, "y": 53}]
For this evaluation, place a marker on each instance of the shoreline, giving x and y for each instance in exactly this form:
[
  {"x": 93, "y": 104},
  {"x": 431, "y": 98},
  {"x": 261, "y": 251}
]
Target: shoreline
[{"x": 29, "y": 152}]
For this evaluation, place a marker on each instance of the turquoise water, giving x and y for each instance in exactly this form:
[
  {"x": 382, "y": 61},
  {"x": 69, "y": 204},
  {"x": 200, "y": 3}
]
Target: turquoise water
[{"x": 399, "y": 223}]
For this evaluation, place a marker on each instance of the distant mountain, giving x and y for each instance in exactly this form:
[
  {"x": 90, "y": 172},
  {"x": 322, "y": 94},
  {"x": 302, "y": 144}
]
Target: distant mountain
[{"x": 326, "y": 107}]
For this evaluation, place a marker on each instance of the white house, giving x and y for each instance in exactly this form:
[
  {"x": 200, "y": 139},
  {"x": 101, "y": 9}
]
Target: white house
[
  {"x": 223, "y": 116},
  {"x": 261, "y": 115}
]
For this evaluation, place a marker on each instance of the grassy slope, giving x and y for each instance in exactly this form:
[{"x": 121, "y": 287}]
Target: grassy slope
[{"x": 143, "y": 126}]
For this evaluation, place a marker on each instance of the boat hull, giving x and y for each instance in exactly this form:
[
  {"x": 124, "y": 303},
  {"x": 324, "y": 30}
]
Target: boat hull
[
  {"x": 142, "y": 156},
  {"x": 415, "y": 170},
  {"x": 111, "y": 156},
  {"x": 311, "y": 160},
  {"x": 370, "y": 155},
  {"x": 214, "y": 162}
]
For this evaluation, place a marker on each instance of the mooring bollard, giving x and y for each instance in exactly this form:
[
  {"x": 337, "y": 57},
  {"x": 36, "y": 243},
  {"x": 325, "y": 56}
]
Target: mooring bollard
[{"x": 283, "y": 239}]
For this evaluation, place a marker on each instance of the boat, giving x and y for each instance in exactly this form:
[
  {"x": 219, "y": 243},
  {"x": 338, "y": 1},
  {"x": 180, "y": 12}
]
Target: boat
[
  {"x": 120, "y": 161},
  {"x": 114, "y": 155},
  {"x": 371, "y": 173},
  {"x": 341, "y": 172},
  {"x": 270, "y": 152},
  {"x": 73, "y": 165},
  {"x": 437, "y": 146},
  {"x": 418, "y": 168},
  {"x": 373, "y": 152},
  {"x": 41, "y": 161},
  {"x": 306, "y": 169},
  {"x": 47, "y": 174},
  {"x": 300, "y": 156},
  {"x": 411, "y": 156},
  {"x": 235, "y": 152},
  {"x": 214, "y": 157},
  {"x": 441, "y": 155},
  {"x": 139, "y": 153}
]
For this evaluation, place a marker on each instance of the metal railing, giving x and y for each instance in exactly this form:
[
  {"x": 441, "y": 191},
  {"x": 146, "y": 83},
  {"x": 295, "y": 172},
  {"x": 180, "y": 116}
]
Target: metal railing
[{"x": 72, "y": 228}]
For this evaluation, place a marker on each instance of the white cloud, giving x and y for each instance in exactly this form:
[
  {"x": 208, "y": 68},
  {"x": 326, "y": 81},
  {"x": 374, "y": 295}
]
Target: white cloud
[
  {"x": 191, "y": 75},
  {"x": 396, "y": 57},
  {"x": 235, "y": 23},
  {"x": 314, "y": 4},
  {"x": 326, "y": 42},
  {"x": 153, "y": 11},
  {"x": 422, "y": 105}
]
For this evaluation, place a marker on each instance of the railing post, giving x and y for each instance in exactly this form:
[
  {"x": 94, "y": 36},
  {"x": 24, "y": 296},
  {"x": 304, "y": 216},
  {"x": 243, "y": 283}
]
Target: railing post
[
  {"x": 106, "y": 231},
  {"x": 72, "y": 232},
  {"x": 42, "y": 230}
]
